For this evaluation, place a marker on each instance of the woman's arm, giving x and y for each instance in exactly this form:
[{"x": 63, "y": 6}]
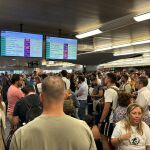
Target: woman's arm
[
  {"x": 116, "y": 141},
  {"x": 147, "y": 147}
]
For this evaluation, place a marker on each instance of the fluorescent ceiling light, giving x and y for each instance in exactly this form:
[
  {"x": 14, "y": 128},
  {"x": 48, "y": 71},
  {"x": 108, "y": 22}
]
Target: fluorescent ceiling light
[
  {"x": 127, "y": 62},
  {"x": 103, "y": 49},
  {"x": 87, "y": 34},
  {"x": 86, "y": 53},
  {"x": 146, "y": 54},
  {"x": 123, "y": 45},
  {"x": 142, "y": 17},
  {"x": 129, "y": 53},
  {"x": 140, "y": 42}
]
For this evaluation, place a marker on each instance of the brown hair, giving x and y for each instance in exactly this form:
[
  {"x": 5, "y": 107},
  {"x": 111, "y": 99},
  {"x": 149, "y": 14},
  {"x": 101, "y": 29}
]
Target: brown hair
[
  {"x": 124, "y": 99},
  {"x": 127, "y": 122}
]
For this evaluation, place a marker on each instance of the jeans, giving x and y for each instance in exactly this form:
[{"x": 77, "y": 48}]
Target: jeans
[{"x": 82, "y": 109}]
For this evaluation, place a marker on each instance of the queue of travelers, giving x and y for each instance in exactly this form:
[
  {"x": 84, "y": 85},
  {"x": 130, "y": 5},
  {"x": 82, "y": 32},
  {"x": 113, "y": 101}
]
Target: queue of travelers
[{"x": 102, "y": 110}]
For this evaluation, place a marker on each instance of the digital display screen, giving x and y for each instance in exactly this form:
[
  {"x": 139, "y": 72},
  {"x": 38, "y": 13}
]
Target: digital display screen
[
  {"x": 61, "y": 48},
  {"x": 21, "y": 44}
]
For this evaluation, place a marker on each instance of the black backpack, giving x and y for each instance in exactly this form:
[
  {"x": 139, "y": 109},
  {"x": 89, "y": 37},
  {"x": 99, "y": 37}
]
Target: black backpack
[{"x": 34, "y": 110}]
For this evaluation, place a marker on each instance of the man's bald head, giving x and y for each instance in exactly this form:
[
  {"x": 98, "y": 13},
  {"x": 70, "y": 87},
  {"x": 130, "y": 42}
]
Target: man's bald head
[{"x": 53, "y": 88}]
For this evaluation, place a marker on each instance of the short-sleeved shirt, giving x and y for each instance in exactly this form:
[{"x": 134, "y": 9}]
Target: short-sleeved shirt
[
  {"x": 21, "y": 107},
  {"x": 136, "y": 141},
  {"x": 67, "y": 82},
  {"x": 143, "y": 99},
  {"x": 83, "y": 90},
  {"x": 111, "y": 96},
  {"x": 148, "y": 86},
  {"x": 53, "y": 133},
  {"x": 14, "y": 94},
  {"x": 126, "y": 88}
]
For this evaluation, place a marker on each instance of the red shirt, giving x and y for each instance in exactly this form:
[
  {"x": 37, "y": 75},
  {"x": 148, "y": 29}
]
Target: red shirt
[{"x": 14, "y": 94}]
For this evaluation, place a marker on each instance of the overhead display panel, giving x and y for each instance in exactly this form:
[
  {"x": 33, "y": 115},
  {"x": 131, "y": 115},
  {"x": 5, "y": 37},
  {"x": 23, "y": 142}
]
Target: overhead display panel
[
  {"x": 61, "y": 48},
  {"x": 21, "y": 44}
]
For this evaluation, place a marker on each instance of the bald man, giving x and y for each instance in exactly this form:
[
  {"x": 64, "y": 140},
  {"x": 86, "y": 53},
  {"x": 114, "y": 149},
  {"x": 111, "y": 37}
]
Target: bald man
[{"x": 53, "y": 130}]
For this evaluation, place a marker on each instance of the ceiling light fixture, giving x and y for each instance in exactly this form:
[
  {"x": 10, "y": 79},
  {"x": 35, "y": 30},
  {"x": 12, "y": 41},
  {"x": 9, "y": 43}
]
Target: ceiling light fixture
[
  {"x": 140, "y": 42},
  {"x": 123, "y": 45},
  {"x": 142, "y": 17},
  {"x": 129, "y": 53},
  {"x": 87, "y": 34},
  {"x": 103, "y": 49}
]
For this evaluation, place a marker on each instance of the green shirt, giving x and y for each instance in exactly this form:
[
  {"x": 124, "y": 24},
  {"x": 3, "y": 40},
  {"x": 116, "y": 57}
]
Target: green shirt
[{"x": 53, "y": 133}]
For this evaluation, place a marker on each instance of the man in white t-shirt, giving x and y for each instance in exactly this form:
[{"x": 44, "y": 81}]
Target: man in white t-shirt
[
  {"x": 99, "y": 78},
  {"x": 82, "y": 94},
  {"x": 106, "y": 120},
  {"x": 148, "y": 86},
  {"x": 148, "y": 76},
  {"x": 143, "y": 98},
  {"x": 64, "y": 77}
]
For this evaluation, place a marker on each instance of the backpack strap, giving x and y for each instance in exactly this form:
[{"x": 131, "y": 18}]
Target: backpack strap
[
  {"x": 116, "y": 89},
  {"x": 125, "y": 86}
]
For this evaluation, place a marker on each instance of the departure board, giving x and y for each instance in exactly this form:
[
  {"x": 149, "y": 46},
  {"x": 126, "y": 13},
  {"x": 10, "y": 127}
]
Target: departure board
[
  {"x": 21, "y": 44},
  {"x": 61, "y": 48}
]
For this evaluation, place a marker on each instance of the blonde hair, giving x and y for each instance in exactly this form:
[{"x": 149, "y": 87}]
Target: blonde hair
[
  {"x": 127, "y": 123},
  {"x": 1, "y": 99}
]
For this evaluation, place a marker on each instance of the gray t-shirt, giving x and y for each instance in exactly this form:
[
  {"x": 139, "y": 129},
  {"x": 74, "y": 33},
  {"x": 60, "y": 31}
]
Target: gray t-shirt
[{"x": 54, "y": 133}]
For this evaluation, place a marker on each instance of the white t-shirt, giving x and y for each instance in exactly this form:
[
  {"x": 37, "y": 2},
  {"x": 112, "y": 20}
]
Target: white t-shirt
[
  {"x": 111, "y": 96},
  {"x": 83, "y": 90},
  {"x": 136, "y": 141},
  {"x": 148, "y": 86},
  {"x": 143, "y": 99},
  {"x": 67, "y": 82}
]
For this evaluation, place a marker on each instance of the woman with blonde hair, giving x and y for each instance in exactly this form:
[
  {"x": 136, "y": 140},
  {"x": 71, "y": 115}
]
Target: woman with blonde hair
[
  {"x": 132, "y": 133},
  {"x": 2, "y": 120}
]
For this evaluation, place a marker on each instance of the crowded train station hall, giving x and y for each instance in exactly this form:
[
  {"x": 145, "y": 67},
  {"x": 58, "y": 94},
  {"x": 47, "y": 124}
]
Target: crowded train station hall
[{"x": 75, "y": 75}]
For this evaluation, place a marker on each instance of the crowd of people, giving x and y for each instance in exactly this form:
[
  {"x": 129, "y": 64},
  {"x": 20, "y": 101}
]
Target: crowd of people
[{"x": 77, "y": 111}]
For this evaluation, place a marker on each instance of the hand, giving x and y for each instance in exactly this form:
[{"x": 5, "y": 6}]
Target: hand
[{"x": 125, "y": 136}]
